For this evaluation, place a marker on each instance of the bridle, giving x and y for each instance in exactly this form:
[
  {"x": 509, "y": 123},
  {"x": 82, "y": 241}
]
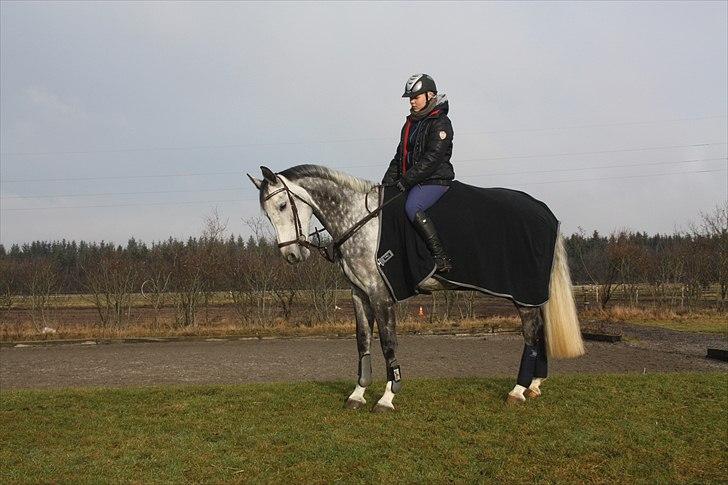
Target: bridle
[{"x": 329, "y": 251}]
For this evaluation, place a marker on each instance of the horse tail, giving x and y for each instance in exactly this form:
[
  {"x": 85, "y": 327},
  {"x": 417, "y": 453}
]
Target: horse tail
[{"x": 563, "y": 335}]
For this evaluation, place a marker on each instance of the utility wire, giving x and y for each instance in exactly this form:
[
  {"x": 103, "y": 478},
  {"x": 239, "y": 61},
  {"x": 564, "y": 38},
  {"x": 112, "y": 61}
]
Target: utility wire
[
  {"x": 256, "y": 198},
  {"x": 490, "y": 174},
  {"x": 99, "y": 194},
  {"x": 599, "y": 167},
  {"x": 380, "y": 164},
  {"x": 514, "y": 157},
  {"x": 349, "y": 140},
  {"x": 131, "y": 205},
  {"x": 624, "y": 177}
]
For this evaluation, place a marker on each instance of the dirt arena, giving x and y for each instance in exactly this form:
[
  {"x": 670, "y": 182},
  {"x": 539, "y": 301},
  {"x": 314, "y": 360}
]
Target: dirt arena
[{"x": 230, "y": 361}]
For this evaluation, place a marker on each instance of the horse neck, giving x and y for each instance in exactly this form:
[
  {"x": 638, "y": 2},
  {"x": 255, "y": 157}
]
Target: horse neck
[{"x": 336, "y": 206}]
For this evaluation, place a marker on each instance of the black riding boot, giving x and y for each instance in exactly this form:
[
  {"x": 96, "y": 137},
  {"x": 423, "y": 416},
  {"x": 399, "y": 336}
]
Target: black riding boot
[{"x": 426, "y": 229}]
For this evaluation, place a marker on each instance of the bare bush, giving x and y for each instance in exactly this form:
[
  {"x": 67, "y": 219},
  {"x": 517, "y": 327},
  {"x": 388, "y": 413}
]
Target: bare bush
[
  {"x": 254, "y": 273},
  {"x": 154, "y": 289},
  {"x": 713, "y": 226},
  {"x": 110, "y": 281},
  {"x": 321, "y": 281},
  {"x": 599, "y": 265},
  {"x": 9, "y": 271},
  {"x": 41, "y": 283}
]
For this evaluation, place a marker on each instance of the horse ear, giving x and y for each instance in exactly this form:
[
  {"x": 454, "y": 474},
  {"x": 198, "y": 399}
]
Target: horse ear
[
  {"x": 269, "y": 175},
  {"x": 255, "y": 181}
]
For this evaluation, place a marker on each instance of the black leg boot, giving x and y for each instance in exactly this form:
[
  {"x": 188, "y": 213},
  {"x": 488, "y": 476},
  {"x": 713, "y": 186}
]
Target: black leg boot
[{"x": 426, "y": 229}]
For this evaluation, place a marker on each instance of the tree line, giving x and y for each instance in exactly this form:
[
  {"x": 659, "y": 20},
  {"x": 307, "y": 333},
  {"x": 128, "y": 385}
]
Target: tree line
[{"x": 187, "y": 274}]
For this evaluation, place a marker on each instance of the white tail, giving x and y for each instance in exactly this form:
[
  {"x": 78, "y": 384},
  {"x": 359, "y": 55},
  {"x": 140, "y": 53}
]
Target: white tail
[{"x": 563, "y": 335}]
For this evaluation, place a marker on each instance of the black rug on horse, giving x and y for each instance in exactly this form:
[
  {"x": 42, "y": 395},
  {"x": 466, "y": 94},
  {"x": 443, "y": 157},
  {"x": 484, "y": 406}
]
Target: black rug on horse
[{"x": 501, "y": 242}]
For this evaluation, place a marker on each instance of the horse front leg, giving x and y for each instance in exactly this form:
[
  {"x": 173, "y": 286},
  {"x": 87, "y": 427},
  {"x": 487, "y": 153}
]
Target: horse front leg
[
  {"x": 386, "y": 323},
  {"x": 364, "y": 325}
]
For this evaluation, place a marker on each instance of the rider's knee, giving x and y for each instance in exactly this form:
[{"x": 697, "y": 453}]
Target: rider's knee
[{"x": 411, "y": 210}]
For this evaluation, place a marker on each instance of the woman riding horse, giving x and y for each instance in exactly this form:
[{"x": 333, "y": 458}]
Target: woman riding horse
[{"x": 421, "y": 166}]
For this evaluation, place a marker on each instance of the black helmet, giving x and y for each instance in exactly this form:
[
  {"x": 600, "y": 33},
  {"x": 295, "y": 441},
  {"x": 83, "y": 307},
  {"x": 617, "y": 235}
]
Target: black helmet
[{"x": 418, "y": 84}]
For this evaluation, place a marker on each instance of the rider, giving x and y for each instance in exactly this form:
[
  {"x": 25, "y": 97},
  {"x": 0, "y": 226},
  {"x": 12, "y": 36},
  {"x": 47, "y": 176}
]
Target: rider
[{"x": 421, "y": 164}]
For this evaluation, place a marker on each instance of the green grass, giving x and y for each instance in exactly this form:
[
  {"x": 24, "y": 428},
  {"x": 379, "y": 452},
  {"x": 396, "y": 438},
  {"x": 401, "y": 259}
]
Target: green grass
[{"x": 611, "y": 428}]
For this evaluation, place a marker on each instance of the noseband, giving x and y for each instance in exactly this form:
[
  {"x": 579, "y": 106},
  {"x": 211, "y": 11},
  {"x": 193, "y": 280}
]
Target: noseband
[{"x": 328, "y": 251}]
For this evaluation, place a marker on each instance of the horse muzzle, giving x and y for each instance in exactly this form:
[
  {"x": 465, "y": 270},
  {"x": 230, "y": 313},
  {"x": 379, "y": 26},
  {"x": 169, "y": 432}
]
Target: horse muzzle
[{"x": 295, "y": 254}]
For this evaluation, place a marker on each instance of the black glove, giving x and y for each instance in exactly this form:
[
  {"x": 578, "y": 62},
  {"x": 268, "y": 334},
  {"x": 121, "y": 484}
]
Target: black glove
[{"x": 401, "y": 186}]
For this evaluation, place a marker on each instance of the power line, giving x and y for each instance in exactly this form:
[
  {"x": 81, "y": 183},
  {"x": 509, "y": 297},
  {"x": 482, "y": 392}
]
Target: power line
[
  {"x": 122, "y": 177},
  {"x": 466, "y": 160},
  {"x": 515, "y": 157},
  {"x": 599, "y": 167},
  {"x": 348, "y": 140},
  {"x": 256, "y": 198},
  {"x": 99, "y": 194},
  {"x": 624, "y": 177},
  {"x": 131, "y": 205},
  {"x": 490, "y": 174}
]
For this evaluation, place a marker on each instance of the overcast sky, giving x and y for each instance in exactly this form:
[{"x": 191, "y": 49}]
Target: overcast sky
[{"x": 614, "y": 114}]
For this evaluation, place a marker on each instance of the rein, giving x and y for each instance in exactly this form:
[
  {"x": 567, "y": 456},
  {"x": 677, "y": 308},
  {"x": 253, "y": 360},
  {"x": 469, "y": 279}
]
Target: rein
[{"x": 328, "y": 251}]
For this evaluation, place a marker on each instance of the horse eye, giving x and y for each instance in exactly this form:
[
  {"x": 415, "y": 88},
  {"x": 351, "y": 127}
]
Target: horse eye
[{"x": 282, "y": 206}]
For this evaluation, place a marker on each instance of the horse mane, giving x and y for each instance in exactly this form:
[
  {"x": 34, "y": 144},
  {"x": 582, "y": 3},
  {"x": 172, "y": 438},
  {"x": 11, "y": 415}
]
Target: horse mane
[{"x": 318, "y": 171}]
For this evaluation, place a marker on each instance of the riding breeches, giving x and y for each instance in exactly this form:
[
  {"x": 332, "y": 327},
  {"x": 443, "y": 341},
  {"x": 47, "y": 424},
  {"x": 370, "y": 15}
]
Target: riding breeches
[{"x": 422, "y": 197}]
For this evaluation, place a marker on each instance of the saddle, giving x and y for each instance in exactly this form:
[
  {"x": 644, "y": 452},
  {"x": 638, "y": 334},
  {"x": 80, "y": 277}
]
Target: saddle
[{"x": 501, "y": 242}]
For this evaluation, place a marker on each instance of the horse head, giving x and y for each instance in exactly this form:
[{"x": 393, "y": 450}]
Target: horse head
[{"x": 283, "y": 203}]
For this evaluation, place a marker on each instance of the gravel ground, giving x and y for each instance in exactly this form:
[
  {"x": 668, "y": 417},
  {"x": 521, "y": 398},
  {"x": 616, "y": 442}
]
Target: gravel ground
[
  {"x": 664, "y": 340},
  {"x": 216, "y": 361}
]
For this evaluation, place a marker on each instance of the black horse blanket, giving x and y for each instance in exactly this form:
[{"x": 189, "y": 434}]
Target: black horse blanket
[{"x": 501, "y": 242}]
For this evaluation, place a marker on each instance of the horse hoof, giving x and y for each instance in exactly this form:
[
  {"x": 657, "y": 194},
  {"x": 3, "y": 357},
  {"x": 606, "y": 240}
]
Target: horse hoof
[
  {"x": 354, "y": 404},
  {"x": 531, "y": 394},
  {"x": 514, "y": 400},
  {"x": 380, "y": 408}
]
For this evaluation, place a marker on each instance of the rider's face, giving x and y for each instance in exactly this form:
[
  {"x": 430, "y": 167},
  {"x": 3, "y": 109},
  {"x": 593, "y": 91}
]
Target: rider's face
[{"x": 418, "y": 102}]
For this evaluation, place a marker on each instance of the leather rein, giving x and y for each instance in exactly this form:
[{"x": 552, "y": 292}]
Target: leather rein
[{"x": 328, "y": 251}]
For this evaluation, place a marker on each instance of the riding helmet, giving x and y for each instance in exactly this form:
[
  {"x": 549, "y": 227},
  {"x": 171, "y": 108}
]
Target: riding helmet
[{"x": 418, "y": 84}]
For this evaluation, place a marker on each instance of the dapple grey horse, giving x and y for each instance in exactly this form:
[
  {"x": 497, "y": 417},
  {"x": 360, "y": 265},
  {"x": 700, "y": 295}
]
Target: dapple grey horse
[{"x": 343, "y": 204}]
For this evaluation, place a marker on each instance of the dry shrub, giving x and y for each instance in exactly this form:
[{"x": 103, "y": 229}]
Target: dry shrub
[
  {"x": 277, "y": 327},
  {"x": 631, "y": 314}
]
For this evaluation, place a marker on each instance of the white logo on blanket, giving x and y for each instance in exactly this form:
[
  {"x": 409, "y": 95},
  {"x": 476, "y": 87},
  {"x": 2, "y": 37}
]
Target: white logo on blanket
[{"x": 385, "y": 257}]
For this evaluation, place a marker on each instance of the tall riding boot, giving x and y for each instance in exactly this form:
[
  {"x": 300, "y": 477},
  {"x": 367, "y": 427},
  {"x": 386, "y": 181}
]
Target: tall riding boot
[{"x": 426, "y": 229}]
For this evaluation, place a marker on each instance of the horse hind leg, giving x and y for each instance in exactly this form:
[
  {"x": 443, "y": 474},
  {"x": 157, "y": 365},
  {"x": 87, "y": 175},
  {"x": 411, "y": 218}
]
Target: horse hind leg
[
  {"x": 540, "y": 368},
  {"x": 534, "y": 366}
]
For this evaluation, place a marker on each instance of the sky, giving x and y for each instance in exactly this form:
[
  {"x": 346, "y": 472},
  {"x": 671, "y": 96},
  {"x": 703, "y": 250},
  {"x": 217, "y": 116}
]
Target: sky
[{"x": 122, "y": 120}]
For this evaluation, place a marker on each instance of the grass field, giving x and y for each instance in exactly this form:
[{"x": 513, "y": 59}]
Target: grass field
[{"x": 610, "y": 428}]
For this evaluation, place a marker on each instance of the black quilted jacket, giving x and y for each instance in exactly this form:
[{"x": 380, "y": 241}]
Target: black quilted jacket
[{"x": 429, "y": 155}]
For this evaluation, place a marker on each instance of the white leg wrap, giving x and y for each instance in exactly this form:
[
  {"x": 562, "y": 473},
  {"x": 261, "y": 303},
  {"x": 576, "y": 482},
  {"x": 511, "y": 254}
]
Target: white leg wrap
[
  {"x": 536, "y": 384},
  {"x": 386, "y": 399},
  {"x": 358, "y": 394},
  {"x": 518, "y": 392}
]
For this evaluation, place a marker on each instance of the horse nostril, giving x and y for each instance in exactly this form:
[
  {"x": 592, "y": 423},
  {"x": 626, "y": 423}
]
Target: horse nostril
[{"x": 291, "y": 258}]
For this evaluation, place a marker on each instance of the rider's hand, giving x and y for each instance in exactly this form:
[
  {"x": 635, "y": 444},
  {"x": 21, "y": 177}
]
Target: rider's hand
[{"x": 401, "y": 186}]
